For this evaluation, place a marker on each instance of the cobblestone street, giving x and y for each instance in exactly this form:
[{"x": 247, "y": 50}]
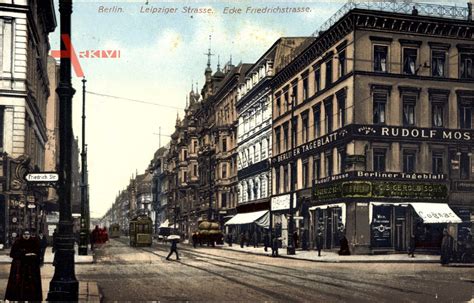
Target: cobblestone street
[{"x": 213, "y": 274}]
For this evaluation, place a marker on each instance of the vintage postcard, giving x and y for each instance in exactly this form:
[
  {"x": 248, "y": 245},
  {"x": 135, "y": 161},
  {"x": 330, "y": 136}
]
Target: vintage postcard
[{"x": 236, "y": 151}]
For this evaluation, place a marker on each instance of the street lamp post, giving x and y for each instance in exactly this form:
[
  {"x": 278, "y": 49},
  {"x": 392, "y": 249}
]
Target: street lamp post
[
  {"x": 290, "y": 247},
  {"x": 64, "y": 285},
  {"x": 84, "y": 233}
]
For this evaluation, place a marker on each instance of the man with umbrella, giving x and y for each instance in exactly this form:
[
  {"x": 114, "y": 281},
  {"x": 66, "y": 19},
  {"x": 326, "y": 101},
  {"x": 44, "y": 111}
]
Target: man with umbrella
[{"x": 174, "y": 246}]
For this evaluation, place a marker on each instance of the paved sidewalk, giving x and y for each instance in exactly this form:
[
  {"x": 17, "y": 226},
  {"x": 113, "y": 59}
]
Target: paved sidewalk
[
  {"x": 88, "y": 291},
  {"x": 49, "y": 257},
  {"x": 333, "y": 257}
]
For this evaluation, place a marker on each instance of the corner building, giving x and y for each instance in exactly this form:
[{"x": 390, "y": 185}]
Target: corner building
[{"x": 382, "y": 127}]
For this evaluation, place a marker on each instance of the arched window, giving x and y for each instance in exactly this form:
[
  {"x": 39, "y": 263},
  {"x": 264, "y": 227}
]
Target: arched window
[
  {"x": 249, "y": 190},
  {"x": 264, "y": 148},
  {"x": 257, "y": 151}
]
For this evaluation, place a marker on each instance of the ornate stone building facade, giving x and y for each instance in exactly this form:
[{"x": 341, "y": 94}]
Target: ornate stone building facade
[
  {"x": 382, "y": 129},
  {"x": 24, "y": 87}
]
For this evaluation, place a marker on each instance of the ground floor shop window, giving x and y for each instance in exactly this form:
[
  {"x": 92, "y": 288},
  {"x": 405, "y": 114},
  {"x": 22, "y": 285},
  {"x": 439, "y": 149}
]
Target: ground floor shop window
[{"x": 330, "y": 223}]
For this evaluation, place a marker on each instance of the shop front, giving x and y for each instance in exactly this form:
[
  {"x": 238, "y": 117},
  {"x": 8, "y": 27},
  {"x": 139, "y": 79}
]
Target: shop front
[{"x": 382, "y": 212}]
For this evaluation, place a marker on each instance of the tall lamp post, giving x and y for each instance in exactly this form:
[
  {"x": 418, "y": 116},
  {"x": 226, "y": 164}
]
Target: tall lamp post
[
  {"x": 64, "y": 285},
  {"x": 290, "y": 247},
  {"x": 84, "y": 233}
]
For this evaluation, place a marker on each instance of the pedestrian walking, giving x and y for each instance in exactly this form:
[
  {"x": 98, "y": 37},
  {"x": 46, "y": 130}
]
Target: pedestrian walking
[
  {"x": 242, "y": 240},
  {"x": 319, "y": 242},
  {"x": 24, "y": 282},
  {"x": 247, "y": 238},
  {"x": 446, "y": 247},
  {"x": 266, "y": 241},
  {"x": 43, "y": 244},
  {"x": 275, "y": 247},
  {"x": 411, "y": 251},
  {"x": 174, "y": 249},
  {"x": 229, "y": 239},
  {"x": 255, "y": 239},
  {"x": 194, "y": 239}
]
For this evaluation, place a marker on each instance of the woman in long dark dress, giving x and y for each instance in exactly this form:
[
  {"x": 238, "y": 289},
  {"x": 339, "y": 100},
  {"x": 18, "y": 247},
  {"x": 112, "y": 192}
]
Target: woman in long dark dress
[{"x": 24, "y": 283}]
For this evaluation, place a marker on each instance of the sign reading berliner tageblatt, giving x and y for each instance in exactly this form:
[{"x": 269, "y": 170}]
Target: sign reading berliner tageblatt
[{"x": 42, "y": 177}]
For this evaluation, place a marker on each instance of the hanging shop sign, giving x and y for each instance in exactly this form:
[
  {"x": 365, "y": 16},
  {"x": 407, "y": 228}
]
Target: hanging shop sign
[
  {"x": 380, "y": 189},
  {"x": 282, "y": 202}
]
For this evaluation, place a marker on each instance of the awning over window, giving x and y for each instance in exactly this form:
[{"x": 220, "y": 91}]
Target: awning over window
[
  {"x": 428, "y": 212},
  {"x": 247, "y": 218},
  {"x": 435, "y": 213},
  {"x": 165, "y": 224}
]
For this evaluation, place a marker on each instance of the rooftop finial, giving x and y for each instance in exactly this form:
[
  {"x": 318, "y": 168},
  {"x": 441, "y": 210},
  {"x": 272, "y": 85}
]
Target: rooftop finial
[
  {"x": 218, "y": 63},
  {"x": 209, "y": 54},
  {"x": 197, "y": 87}
]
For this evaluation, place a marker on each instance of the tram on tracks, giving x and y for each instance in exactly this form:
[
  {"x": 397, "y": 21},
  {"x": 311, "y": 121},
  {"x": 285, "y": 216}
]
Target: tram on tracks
[
  {"x": 141, "y": 231},
  {"x": 114, "y": 230}
]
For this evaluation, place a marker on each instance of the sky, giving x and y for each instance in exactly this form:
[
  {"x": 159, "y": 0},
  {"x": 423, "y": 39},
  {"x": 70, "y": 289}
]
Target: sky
[{"x": 161, "y": 57}]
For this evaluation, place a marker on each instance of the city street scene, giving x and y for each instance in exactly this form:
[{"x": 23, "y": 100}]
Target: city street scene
[{"x": 211, "y": 151}]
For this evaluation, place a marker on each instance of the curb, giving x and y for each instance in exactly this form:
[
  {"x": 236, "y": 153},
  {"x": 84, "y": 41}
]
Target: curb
[{"x": 339, "y": 261}]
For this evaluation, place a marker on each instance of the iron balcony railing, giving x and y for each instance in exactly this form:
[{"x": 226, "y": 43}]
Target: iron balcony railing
[{"x": 405, "y": 7}]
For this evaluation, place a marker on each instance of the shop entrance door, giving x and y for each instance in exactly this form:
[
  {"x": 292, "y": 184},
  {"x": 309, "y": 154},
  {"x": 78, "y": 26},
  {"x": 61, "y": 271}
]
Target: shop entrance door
[{"x": 400, "y": 229}]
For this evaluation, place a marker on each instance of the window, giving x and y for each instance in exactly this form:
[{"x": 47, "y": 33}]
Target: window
[
  {"x": 465, "y": 115},
  {"x": 341, "y": 109},
  {"x": 380, "y": 58},
  {"x": 409, "y": 159},
  {"x": 277, "y": 180},
  {"x": 223, "y": 200},
  {"x": 185, "y": 155},
  {"x": 305, "y": 87},
  {"x": 409, "y": 110},
  {"x": 437, "y": 163},
  {"x": 465, "y": 165},
  {"x": 304, "y": 126},
  {"x": 341, "y": 160},
  {"x": 317, "y": 79},
  {"x": 380, "y": 100},
  {"x": 328, "y": 164},
  {"x": 341, "y": 63},
  {"x": 277, "y": 140},
  {"x": 185, "y": 176},
  {"x": 294, "y": 131},
  {"x": 316, "y": 168},
  {"x": 2, "y": 109},
  {"x": 305, "y": 175},
  {"x": 328, "y": 73},
  {"x": 194, "y": 170},
  {"x": 409, "y": 61},
  {"x": 438, "y": 63},
  {"x": 195, "y": 146},
  {"x": 317, "y": 120},
  {"x": 286, "y": 182},
  {"x": 466, "y": 68},
  {"x": 285, "y": 136},
  {"x": 437, "y": 110},
  {"x": 278, "y": 105},
  {"x": 379, "y": 160},
  {"x": 224, "y": 170},
  {"x": 328, "y": 117},
  {"x": 224, "y": 144},
  {"x": 286, "y": 97},
  {"x": 294, "y": 94}
]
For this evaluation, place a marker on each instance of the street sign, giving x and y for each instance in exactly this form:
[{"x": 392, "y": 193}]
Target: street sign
[{"x": 42, "y": 177}]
